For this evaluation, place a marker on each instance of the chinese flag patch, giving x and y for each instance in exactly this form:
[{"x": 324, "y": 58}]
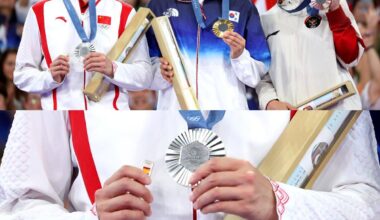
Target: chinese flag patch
[{"x": 104, "y": 20}]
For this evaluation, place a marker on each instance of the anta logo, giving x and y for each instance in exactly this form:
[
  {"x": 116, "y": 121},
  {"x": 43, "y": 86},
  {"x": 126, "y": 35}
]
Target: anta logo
[
  {"x": 171, "y": 12},
  {"x": 234, "y": 16}
]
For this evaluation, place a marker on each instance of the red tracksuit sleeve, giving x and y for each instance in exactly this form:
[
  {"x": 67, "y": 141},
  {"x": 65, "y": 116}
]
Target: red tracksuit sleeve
[{"x": 345, "y": 37}]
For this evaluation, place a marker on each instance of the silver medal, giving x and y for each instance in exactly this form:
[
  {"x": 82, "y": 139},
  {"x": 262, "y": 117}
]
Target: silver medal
[
  {"x": 83, "y": 49},
  {"x": 189, "y": 151}
]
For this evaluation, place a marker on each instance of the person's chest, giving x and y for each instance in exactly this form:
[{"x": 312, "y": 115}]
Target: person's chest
[
  {"x": 62, "y": 36},
  {"x": 131, "y": 138}
]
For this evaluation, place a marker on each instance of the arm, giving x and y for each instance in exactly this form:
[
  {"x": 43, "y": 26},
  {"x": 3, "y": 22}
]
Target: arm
[
  {"x": 266, "y": 92},
  {"x": 28, "y": 75},
  {"x": 351, "y": 182},
  {"x": 254, "y": 62},
  {"x": 35, "y": 176},
  {"x": 136, "y": 74},
  {"x": 349, "y": 188},
  {"x": 347, "y": 40}
]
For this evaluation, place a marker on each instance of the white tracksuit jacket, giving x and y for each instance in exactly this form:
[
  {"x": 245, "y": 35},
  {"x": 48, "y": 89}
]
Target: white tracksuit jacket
[
  {"x": 35, "y": 177},
  {"x": 304, "y": 61},
  {"x": 49, "y": 33}
]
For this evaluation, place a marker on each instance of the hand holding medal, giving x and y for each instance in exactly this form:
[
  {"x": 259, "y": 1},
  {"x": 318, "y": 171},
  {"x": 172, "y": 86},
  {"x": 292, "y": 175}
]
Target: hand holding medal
[
  {"x": 234, "y": 187},
  {"x": 236, "y": 42},
  {"x": 59, "y": 68},
  {"x": 98, "y": 62}
]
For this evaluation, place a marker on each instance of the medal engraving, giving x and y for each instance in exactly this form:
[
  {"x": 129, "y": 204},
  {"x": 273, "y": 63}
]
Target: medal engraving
[
  {"x": 194, "y": 155},
  {"x": 190, "y": 150},
  {"x": 222, "y": 26}
]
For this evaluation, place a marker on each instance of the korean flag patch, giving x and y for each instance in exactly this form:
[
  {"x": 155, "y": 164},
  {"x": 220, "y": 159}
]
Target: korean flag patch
[{"x": 234, "y": 16}]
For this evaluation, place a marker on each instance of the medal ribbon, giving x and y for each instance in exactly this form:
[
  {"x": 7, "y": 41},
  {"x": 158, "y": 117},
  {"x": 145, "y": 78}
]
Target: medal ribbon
[
  {"x": 77, "y": 23},
  {"x": 303, "y": 5},
  {"x": 199, "y": 16},
  {"x": 195, "y": 119}
]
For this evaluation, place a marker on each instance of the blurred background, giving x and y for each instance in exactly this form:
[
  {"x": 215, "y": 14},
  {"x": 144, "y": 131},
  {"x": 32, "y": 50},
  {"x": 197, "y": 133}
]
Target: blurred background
[{"x": 13, "y": 14}]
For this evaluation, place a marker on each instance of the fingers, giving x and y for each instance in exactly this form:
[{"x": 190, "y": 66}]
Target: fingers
[
  {"x": 234, "y": 39},
  {"x": 290, "y": 107},
  {"x": 217, "y": 180},
  {"x": 123, "y": 215},
  {"x": 126, "y": 185},
  {"x": 59, "y": 68},
  {"x": 216, "y": 165},
  {"x": 166, "y": 70},
  {"x": 231, "y": 207},
  {"x": 218, "y": 194},
  {"x": 125, "y": 202},
  {"x": 129, "y": 172}
]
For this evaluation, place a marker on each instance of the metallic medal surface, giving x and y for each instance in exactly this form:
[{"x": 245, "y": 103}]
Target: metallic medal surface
[
  {"x": 222, "y": 26},
  {"x": 83, "y": 49},
  {"x": 189, "y": 151}
]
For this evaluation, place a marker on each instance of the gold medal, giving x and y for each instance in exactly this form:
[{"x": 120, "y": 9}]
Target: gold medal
[{"x": 222, "y": 26}]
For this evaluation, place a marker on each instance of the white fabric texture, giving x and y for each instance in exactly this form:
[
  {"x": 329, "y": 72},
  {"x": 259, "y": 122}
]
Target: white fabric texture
[
  {"x": 36, "y": 174},
  {"x": 304, "y": 62},
  {"x": 32, "y": 73}
]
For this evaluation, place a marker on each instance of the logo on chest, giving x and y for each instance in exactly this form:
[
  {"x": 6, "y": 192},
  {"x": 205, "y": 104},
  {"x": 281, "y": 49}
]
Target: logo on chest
[
  {"x": 171, "y": 12},
  {"x": 234, "y": 16},
  {"x": 104, "y": 22}
]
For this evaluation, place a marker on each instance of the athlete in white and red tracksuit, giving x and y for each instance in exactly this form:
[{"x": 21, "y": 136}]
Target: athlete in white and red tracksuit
[
  {"x": 44, "y": 67},
  {"x": 36, "y": 176},
  {"x": 307, "y": 61}
]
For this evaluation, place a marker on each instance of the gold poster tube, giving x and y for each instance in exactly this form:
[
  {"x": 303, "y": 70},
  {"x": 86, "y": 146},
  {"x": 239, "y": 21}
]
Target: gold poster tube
[
  {"x": 121, "y": 51},
  {"x": 170, "y": 51},
  {"x": 294, "y": 143}
]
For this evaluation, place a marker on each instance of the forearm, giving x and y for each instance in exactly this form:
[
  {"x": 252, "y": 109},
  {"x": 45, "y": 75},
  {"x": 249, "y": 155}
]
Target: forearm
[
  {"x": 30, "y": 79},
  {"x": 136, "y": 74},
  {"x": 248, "y": 70},
  {"x": 266, "y": 92},
  {"x": 42, "y": 210},
  {"x": 339, "y": 204},
  {"x": 158, "y": 83},
  {"x": 346, "y": 40}
]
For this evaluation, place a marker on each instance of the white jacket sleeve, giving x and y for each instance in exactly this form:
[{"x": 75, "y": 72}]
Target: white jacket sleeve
[
  {"x": 248, "y": 70},
  {"x": 266, "y": 92},
  {"x": 351, "y": 183},
  {"x": 36, "y": 172},
  {"x": 29, "y": 75},
  {"x": 348, "y": 13},
  {"x": 136, "y": 74},
  {"x": 159, "y": 83}
]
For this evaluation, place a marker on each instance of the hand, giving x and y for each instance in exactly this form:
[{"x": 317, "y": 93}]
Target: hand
[
  {"x": 59, "y": 68},
  {"x": 166, "y": 70},
  {"x": 124, "y": 196},
  {"x": 98, "y": 62},
  {"x": 335, "y": 4},
  {"x": 233, "y": 187},
  {"x": 236, "y": 43},
  {"x": 277, "y": 105}
]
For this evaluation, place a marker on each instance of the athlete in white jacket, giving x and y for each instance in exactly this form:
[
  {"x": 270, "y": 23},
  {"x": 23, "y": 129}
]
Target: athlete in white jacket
[
  {"x": 46, "y": 63},
  {"x": 37, "y": 181},
  {"x": 309, "y": 56}
]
